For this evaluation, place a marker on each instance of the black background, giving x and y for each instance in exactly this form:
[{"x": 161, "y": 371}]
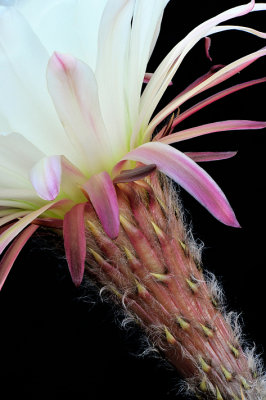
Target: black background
[{"x": 55, "y": 342}]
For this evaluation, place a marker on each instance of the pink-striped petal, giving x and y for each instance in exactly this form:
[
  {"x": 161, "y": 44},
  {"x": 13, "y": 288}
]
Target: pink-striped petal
[
  {"x": 9, "y": 234},
  {"x": 75, "y": 241},
  {"x": 102, "y": 194},
  {"x": 214, "y": 98},
  {"x": 221, "y": 126},
  {"x": 54, "y": 174},
  {"x": 13, "y": 251},
  {"x": 200, "y": 156},
  {"x": 73, "y": 88},
  {"x": 187, "y": 174},
  {"x": 45, "y": 177}
]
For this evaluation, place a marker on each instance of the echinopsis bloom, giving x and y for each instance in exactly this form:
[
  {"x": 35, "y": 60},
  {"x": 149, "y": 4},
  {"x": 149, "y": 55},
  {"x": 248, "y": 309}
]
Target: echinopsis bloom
[{"x": 81, "y": 152}]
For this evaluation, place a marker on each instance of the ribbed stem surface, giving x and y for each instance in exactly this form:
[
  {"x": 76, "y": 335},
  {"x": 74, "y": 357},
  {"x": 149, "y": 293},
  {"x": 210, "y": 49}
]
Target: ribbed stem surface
[{"x": 153, "y": 269}]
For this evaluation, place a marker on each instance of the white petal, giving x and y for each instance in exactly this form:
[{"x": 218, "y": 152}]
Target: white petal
[
  {"x": 145, "y": 29},
  {"x": 17, "y": 157},
  {"x": 24, "y": 100},
  {"x": 68, "y": 26},
  {"x": 112, "y": 61}
]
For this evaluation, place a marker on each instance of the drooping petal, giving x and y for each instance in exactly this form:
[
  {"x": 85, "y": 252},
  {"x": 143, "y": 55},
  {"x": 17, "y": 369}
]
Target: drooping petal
[
  {"x": 16, "y": 228},
  {"x": 13, "y": 251},
  {"x": 200, "y": 156},
  {"x": 75, "y": 241},
  {"x": 102, "y": 194},
  {"x": 189, "y": 175},
  {"x": 73, "y": 88},
  {"x": 221, "y": 126},
  {"x": 46, "y": 177}
]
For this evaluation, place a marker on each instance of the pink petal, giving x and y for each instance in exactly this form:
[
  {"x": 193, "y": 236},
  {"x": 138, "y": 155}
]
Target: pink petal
[
  {"x": 213, "y": 98},
  {"x": 75, "y": 241},
  {"x": 221, "y": 126},
  {"x": 13, "y": 251},
  {"x": 210, "y": 155},
  {"x": 10, "y": 233},
  {"x": 189, "y": 175},
  {"x": 102, "y": 194},
  {"x": 45, "y": 177},
  {"x": 135, "y": 174}
]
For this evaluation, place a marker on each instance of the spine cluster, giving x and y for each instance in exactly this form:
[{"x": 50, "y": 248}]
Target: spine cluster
[{"x": 153, "y": 269}]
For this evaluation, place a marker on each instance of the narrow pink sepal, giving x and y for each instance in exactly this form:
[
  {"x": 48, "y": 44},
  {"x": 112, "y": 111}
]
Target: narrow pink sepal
[
  {"x": 210, "y": 155},
  {"x": 134, "y": 174},
  {"x": 75, "y": 241},
  {"x": 220, "y": 126},
  {"x": 13, "y": 251},
  {"x": 102, "y": 194},
  {"x": 45, "y": 177},
  {"x": 217, "y": 96},
  {"x": 189, "y": 175}
]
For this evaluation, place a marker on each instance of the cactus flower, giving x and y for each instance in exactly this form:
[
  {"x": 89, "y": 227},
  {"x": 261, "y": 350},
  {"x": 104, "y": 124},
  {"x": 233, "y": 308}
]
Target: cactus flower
[{"x": 83, "y": 152}]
